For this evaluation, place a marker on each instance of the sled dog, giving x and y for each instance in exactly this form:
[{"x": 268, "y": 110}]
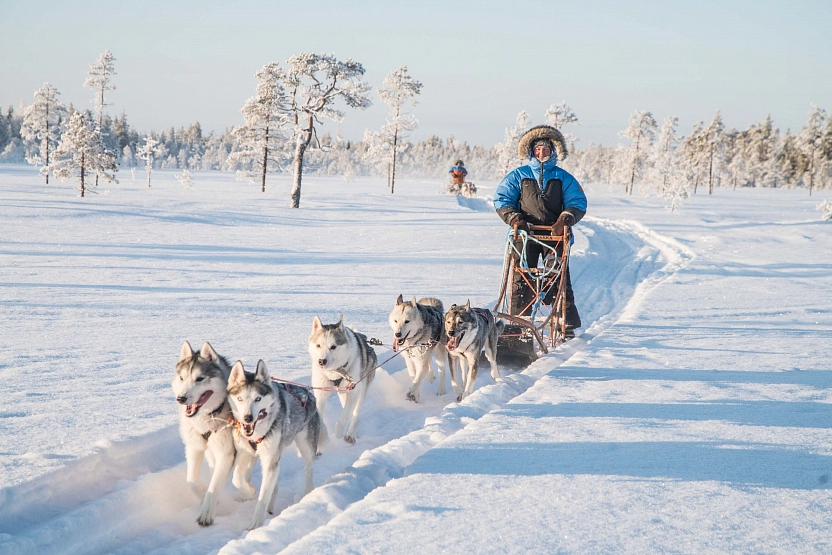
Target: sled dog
[
  {"x": 200, "y": 387},
  {"x": 469, "y": 331},
  {"x": 340, "y": 357},
  {"x": 421, "y": 323},
  {"x": 269, "y": 416}
]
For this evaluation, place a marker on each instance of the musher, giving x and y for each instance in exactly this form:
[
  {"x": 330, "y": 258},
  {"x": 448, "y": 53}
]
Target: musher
[
  {"x": 458, "y": 174},
  {"x": 541, "y": 193}
]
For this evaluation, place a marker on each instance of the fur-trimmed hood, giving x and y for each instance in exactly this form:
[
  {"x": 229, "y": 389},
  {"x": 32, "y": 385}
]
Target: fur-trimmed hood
[{"x": 542, "y": 132}]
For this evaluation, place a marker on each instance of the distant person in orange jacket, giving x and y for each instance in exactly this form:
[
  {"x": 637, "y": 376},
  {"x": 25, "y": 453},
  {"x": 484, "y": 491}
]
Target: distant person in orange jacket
[{"x": 458, "y": 173}]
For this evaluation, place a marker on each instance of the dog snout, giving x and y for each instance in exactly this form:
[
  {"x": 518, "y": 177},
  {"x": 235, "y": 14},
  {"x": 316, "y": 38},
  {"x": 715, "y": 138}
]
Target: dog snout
[
  {"x": 322, "y": 361},
  {"x": 247, "y": 419},
  {"x": 450, "y": 333},
  {"x": 398, "y": 334},
  {"x": 181, "y": 399}
]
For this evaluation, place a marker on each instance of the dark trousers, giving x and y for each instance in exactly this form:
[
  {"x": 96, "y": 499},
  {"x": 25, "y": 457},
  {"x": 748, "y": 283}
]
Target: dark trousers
[{"x": 522, "y": 294}]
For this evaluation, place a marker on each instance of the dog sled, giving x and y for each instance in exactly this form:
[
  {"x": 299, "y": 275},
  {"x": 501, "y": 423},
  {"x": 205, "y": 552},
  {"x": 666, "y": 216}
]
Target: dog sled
[
  {"x": 466, "y": 189},
  {"x": 536, "y": 320}
]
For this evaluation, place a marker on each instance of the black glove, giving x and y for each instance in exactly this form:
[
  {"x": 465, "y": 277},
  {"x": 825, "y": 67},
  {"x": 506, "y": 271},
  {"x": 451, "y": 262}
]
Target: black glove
[
  {"x": 517, "y": 222},
  {"x": 566, "y": 219}
]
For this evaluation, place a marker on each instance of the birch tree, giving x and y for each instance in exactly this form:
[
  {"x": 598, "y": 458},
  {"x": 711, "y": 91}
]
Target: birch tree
[
  {"x": 98, "y": 79},
  {"x": 41, "y": 127},
  {"x": 151, "y": 151},
  {"x": 314, "y": 82},
  {"x": 265, "y": 114},
  {"x": 80, "y": 153},
  {"x": 399, "y": 89},
  {"x": 809, "y": 142},
  {"x": 641, "y": 132}
]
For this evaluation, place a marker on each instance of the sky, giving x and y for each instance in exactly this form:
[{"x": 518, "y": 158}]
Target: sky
[{"x": 481, "y": 62}]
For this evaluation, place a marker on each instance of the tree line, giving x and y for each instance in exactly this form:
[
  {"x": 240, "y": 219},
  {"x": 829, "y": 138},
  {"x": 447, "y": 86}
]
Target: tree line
[{"x": 280, "y": 133}]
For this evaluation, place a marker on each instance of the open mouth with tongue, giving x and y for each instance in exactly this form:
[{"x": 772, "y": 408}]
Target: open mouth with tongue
[
  {"x": 453, "y": 341},
  {"x": 248, "y": 429},
  {"x": 191, "y": 410},
  {"x": 398, "y": 342}
]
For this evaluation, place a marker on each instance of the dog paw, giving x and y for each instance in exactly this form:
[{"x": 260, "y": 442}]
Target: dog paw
[
  {"x": 459, "y": 398},
  {"x": 412, "y": 397},
  {"x": 245, "y": 494},
  {"x": 431, "y": 377},
  {"x": 318, "y": 454},
  {"x": 350, "y": 440}
]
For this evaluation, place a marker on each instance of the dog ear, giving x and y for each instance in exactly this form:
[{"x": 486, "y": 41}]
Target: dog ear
[
  {"x": 413, "y": 302},
  {"x": 208, "y": 352},
  {"x": 399, "y": 300},
  {"x": 468, "y": 305},
  {"x": 317, "y": 325},
  {"x": 237, "y": 376},
  {"x": 186, "y": 352},
  {"x": 262, "y": 372},
  {"x": 341, "y": 322}
]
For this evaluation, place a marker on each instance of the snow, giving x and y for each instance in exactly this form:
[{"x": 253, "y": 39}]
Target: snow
[{"x": 690, "y": 415}]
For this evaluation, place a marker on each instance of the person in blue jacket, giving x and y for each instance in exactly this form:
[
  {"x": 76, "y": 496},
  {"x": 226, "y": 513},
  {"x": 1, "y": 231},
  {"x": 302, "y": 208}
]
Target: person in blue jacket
[{"x": 541, "y": 193}]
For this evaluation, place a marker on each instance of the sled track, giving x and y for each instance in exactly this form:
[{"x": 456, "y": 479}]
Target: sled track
[{"x": 139, "y": 507}]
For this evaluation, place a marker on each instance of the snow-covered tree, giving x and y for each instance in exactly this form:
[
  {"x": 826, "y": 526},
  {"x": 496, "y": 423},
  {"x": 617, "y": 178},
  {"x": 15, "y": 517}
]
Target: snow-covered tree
[
  {"x": 41, "y": 126},
  {"x": 559, "y": 116},
  {"x": 99, "y": 80},
  {"x": 507, "y": 150},
  {"x": 186, "y": 179},
  {"x": 314, "y": 82},
  {"x": 810, "y": 140},
  {"x": 399, "y": 89},
  {"x": 641, "y": 132},
  {"x": 666, "y": 175},
  {"x": 151, "y": 151},
  {"x": 712, "y": 136},
  {"x": 261, "y": 137},
  {"x": 825, "y": 208},
  {"x": 693, "y": 153},
  {"x": 79, "y": 152}
]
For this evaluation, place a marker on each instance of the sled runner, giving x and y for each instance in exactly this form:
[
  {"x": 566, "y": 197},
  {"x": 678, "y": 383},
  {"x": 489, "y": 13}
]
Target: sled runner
[{"x": 532, "y": 298}]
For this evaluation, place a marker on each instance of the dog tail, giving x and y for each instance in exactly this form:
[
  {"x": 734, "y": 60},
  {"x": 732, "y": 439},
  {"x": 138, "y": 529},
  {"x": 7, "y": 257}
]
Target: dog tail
[{"x": 501, "y": 326}]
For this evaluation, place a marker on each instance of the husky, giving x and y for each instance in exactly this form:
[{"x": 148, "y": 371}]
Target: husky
[
  {"x": 469, "y": 331},
  {"x": 340, "y": 357},
  {"x": 200, "y": 388},
  {"x": 421, "y": 323},
  {"x": 269, "y": 416}
]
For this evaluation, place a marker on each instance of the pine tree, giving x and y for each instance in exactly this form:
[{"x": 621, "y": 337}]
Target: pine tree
[
  {"x": 398, "y": 90},
  {"x": 559, "y": 116},
  {"x": 507, "y": 150},
  {"x": 667, "y": 178},
  {"x": 261, "y": 137},
  {"x": 712, "y": 137},
  {"x": 151, "y": 151},
  {"x": 98, "y": 79},
  {"x": 79, "y": 152},
  {"x": 693, "y": 154},
  {"x": 313, "y": 83},
  {"x": 641, "y": 132},
  {"x": 41, "y": 126},
  {"x": 810, "y": 141}
]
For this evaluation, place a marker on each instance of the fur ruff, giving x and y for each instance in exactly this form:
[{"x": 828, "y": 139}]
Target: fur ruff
[{"x": 542, "y": 132}]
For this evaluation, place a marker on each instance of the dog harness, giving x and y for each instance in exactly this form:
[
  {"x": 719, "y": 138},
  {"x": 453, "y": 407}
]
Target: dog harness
[{"x": 207, "y": 434}]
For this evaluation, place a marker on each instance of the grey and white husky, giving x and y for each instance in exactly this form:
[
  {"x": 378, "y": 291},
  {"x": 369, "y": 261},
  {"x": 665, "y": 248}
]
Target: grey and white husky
[
  {"x": 200, "y": 387},
  {"x": 421, "y": 323},
  {"x": 470, "y": 330},
  {"x": 341, "y": 356},
  {"x": 269, "y": 416}
]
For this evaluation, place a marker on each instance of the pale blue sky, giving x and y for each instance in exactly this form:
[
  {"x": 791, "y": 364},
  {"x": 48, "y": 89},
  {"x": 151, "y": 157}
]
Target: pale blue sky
[{"x": 481, "y": 62}]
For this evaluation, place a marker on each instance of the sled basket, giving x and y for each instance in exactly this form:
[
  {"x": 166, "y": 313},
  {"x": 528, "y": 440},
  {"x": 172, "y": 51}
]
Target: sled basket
[{"x": 536, "y": 321}]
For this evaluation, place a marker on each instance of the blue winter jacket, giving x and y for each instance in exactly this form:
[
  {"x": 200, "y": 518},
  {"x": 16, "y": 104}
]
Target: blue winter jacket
[{"x": 520, "y": 193}]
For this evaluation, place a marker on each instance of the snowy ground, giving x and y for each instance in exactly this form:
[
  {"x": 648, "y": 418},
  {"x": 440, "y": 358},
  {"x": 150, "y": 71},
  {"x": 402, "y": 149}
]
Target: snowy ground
[{"x": 690, "y": 416}]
